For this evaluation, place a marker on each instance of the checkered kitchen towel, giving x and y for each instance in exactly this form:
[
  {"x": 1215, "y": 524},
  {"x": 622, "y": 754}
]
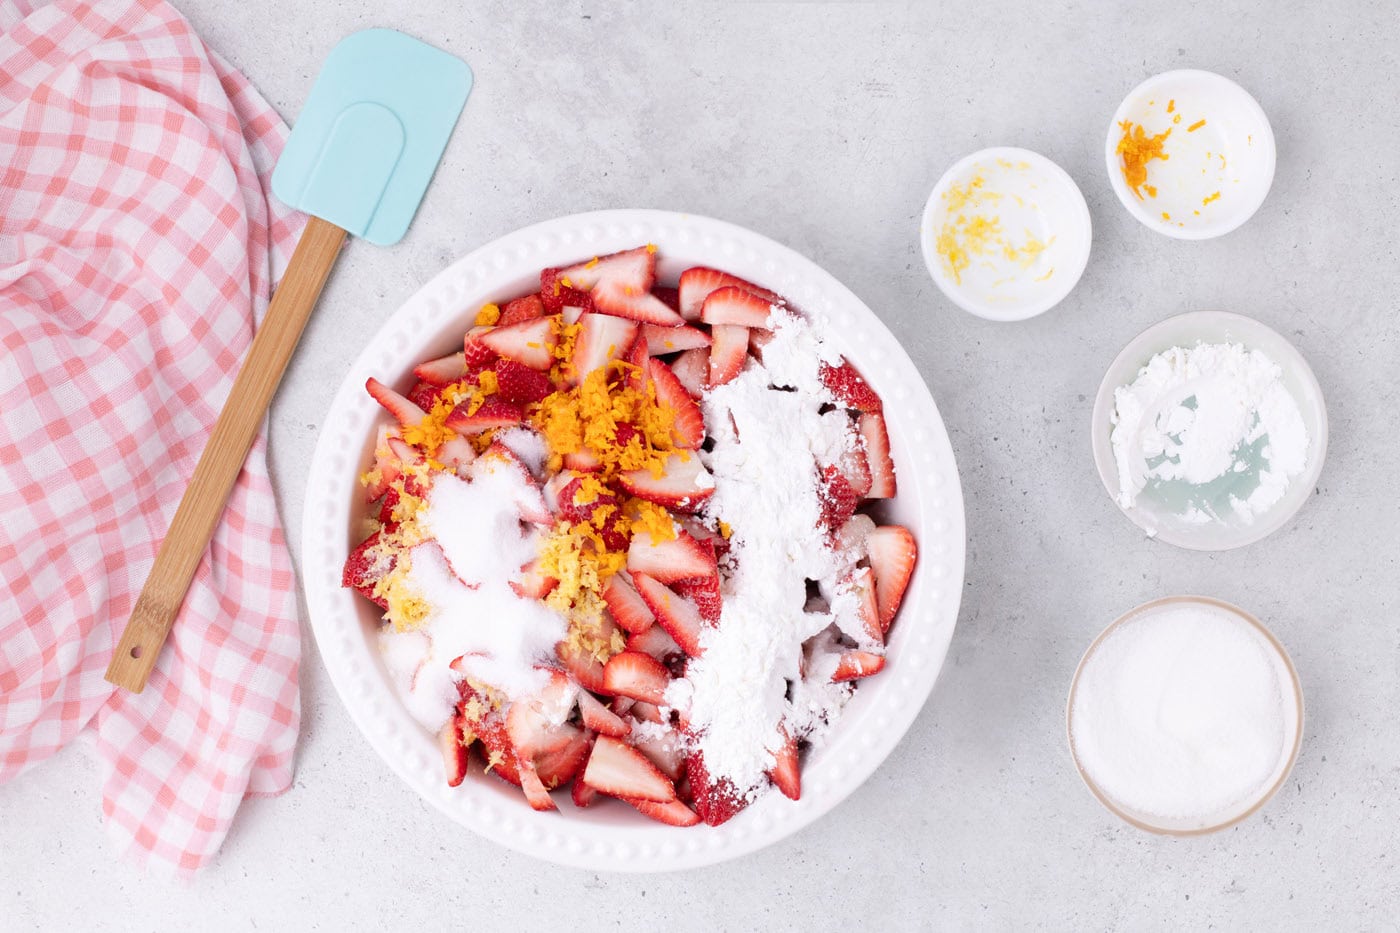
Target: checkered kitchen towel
[{"x": 137, "y": 246}]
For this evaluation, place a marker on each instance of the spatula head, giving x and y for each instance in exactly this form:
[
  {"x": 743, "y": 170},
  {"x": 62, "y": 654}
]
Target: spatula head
[{"x": 370, "y": 136}]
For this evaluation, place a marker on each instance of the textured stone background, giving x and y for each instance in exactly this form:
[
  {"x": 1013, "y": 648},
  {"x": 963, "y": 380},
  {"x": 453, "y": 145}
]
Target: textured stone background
[{"x": 824, "y": 125}]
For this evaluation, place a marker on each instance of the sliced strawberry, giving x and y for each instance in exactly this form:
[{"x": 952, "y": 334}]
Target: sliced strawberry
[
  {"x": 490, "y": 730},
  {"x": 669, "y": 296},
  {"x": 627, "y": 608},
  {"x": 683, "y": 486},
  {"x": 530, "y": 342},
  {"x": 533, "y": 584},
  {"x": 663, "y": 340},
  {"x": 678, "y": 616},
  {"x": 404, "y": 411},
  {"x": 523, "y": 309},
  {"x": 704, "y": 593},
  {"x": 636, "y": 675},
  {"x": 636, "y": 359},
  {"x": 692, "y": 370},
  {"x": 619, "y": 770},
  {"x": 365, "y": 566},
  {"x": 855, "y": 466},
  {"x": 557, "y": 296},
  {"x": 582, "y": 794},
  {"x": 852, "y": 536},
  {"x": 642, "y": 711},
  {"x": 701, "y": 533},
  {"x": 424, "y": 394},
  {"x": 562, "y": 764},
  {"x": 528, "y": 495},
  {"x": 855, "y": 664},
  {"x": 893, "y": 552},
  {"x": 637, "y": 305},
  {"x": 680, "y": 558},
  {"x": 758, "y": 339},
  {"x": 729, "y": 348},
  {"x": 386, "y": 465},
  {"x": 734, "y": 305},
  {"x": 715, "y": 800},
  {"x": 696, "y": 285},
  {"x": 601, "y": 339},
  {"x": 599, "y": 718},
  {"x": 861, "y": 582},
  {"x": 632, "y": 267},
  {"x": 850, "y": 387},
  {"x": 571, "y": 509},
  {"x": 456, "y": 452},
  {"x": 672, "y": 813},
  {"x": 476, "y": 355},
  {"x": 582, "y": 666},
  {"x": 688, "y": 426},
  {"x": 786, "y": 773},
  {"x": 583, "y": 461},
  {"x": 387, "y": 505},
  {"x": 535, "y": 792},
  {"x": 838, "y": 499},
  {"x": 454, "y": 753},
  {"x": 877, "y": 454},
  {"x": 663, "y": 750},
  {"x": 519, "y": 384},
  {"x": 442, "y": 372},
  {"x": 494, "y": 413},
  {"x": 655, "y": 641}
]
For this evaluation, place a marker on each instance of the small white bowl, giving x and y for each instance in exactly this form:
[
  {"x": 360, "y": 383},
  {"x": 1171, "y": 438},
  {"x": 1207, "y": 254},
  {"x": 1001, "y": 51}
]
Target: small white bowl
[
  {"x": 1033, "y": 201},
  {"x": 1187, "y": 330},
  {"x": 1217, "y": 174},
  {"x": 1292, "y": 711}
]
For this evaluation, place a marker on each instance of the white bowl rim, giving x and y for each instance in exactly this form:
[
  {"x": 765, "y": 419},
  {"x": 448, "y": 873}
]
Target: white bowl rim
[
  {"x": 888, "y": 703},
  {"x": 1135, "y": 206},
  {"x": 1103, "y": 404},
  {"x": 1052, "y": 297}
]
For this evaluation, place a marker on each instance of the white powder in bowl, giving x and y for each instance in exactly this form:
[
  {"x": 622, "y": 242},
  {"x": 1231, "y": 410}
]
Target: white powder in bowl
[
  {"x": 1182, "y": 714},
  {"x": 1212, "y": 412}
]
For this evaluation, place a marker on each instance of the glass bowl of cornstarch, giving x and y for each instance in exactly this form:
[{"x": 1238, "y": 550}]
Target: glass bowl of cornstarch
[
  {"x": 1209, "y": 430},
  {"x": 1185, "y": 716}
]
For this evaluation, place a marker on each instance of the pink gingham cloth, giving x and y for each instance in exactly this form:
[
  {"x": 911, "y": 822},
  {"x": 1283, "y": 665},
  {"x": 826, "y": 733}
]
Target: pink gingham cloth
[{"x": 138, "y": 244}]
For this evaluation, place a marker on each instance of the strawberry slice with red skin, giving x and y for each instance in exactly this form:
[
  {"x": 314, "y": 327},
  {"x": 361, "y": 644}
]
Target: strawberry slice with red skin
[
  {"x": 734, "y": 305},
  {"x": 365, "y": 566},
  {"x": 386, "y": 507},
  {"x": 424, "y": 394},
  {"x": 893, "y": 552},
  {"x": 697, "y": 283},
  {"x": 583, "y": 795},
  {"x": 560, "y": 766},
  {"x": 669, "y": 296},
  {"x": 404, "y": 411},
  {"x": 855, "y": 664},
  {"x": 456, "y": 453},
  {"x": 533, "y": 584},
  {"x": 673, "y": 813},
  {"x": 716, "y": 801},
  {"x": 444, "y": 371},
  {"x": 628, "y": 609},
  {"x": 681, "y": 558},
  {"x": 850, "y": 388},
  {"x": 557, "y": 296},
  {"x": 692, "y": 370},
  {"x": 454, "y": 754},
  {"x": 786, "y": 773},
  {"x": 861, "y": 582},
  {"x": 636, "y": 358},
  {"x": 581, "y": 664},
  {"x": 519, "y": 384},
  {"x": 519, "y": 310},
  {"x": 530, "y": 342},
  {"x": 636, "y": 675},
  {"x": 655, "y": 641},
  {"x": 855, "y": 466},
  {"x": 571, "y": 509},
  {"x": 599, "y": 718},
  {"x": 490, "y": 731},
  {"x": 493, "y": 413},
  {"x": 583, "y": 461},
  {"x": 633, "y": 267},
  {"x": 642, "y": 711},
  {"x": 637, "y": 305},
  {"x": 684, "y": 484},
  {"x": 663, "y": 340},
  {"x": 619, "y": 770},
  {"x": 536, "y": 794},
  {"x": 729, "y": 348},
  {"x": 698, "y": 531},
  {"x": 678, "y": 616},
  {"x": 758, "y": 339},
  {"x": 877, "y": 455},
  {"x": 601, "y": 339},
  {"x": 704, "y": 593},
  {"x": 664, "y": 750},
  {"x": 688, "y": 424},
  {"x": 476, "y": 355},
  {"x": 385, "y": 464},
  {"x": 838, "y": 499}
]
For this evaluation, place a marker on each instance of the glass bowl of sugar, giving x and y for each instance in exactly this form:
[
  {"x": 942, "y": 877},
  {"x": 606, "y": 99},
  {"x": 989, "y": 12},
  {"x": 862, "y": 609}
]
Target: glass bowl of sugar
[
  {"x": 1209, "y": 430},
  {"x": 1185, "y": 716}
]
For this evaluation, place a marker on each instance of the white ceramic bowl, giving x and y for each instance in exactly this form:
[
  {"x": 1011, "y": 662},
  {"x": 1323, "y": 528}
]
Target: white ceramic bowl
[
  {"x": 1292, "y": 719},
  {"x": 612, "y": 837},
  {"x": 1186, "y": 330},
  {"x": 1231, "y": 153},
  {"x": 1031, "y": 199}
]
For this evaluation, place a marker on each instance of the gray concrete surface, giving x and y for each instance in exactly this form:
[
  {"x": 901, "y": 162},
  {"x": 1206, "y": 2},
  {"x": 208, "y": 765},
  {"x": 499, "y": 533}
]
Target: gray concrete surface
[{"x": 824, "y": 125}]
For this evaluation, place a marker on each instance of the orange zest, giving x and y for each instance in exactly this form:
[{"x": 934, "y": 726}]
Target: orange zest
[{"x": 1136, "y": 149}]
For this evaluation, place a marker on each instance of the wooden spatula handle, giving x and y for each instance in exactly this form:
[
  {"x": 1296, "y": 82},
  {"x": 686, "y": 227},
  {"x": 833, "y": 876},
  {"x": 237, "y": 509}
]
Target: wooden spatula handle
[{"x": 203, "y": 503}]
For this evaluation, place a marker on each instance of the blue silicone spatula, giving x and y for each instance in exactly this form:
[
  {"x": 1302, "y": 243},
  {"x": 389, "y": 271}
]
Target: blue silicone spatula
[{"x": 358, "y": 161}]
